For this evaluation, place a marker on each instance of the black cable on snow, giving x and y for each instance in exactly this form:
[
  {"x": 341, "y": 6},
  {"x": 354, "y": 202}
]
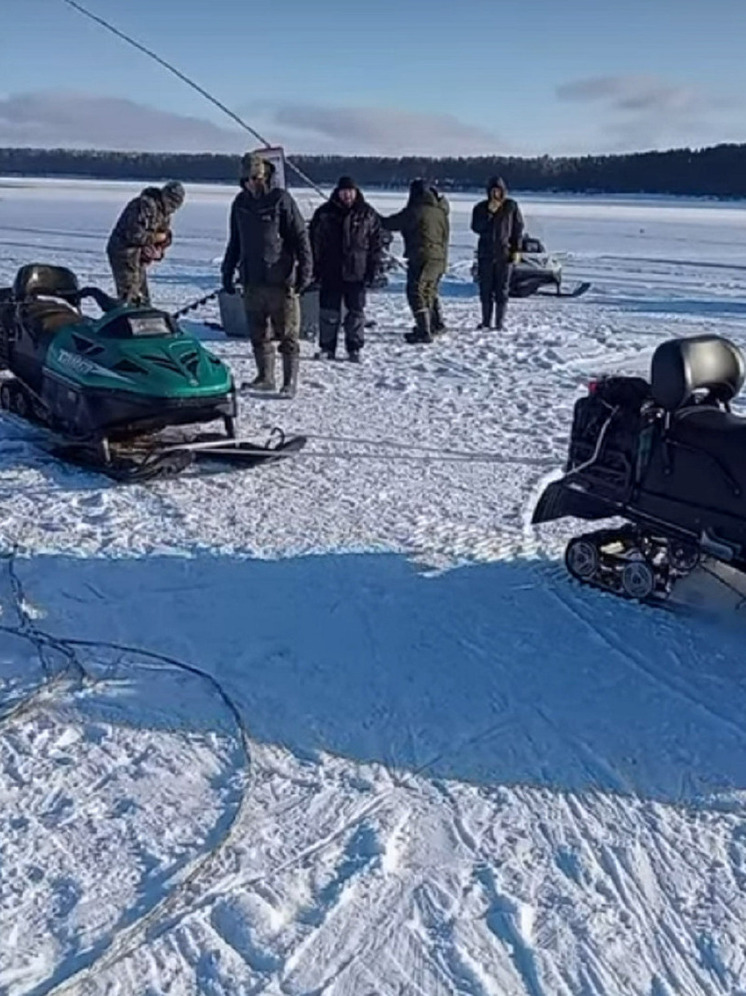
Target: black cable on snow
[{"x": 73, "y": 678}]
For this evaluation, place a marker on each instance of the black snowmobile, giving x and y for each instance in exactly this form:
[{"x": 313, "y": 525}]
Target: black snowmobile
[
  {"x": 536, "y": 271},
  {"x": 667, "y": 456},
  {"x": 105, "y": 388}
]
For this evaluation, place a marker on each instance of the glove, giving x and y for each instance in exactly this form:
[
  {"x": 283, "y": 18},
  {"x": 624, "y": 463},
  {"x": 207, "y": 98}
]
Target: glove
[
  {"x": 150, "y": 253},
  {"x": 228, "y": 286},
  {"x": 515, "y": 257}
]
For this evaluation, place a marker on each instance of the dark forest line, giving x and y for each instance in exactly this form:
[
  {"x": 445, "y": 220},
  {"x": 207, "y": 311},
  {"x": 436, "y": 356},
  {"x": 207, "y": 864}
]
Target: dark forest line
[{"x": 718, "y": 171}]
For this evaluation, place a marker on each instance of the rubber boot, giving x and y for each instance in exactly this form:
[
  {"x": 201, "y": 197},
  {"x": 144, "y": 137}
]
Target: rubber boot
[
  {"x": 437, "y": 325},
  {"x": 329, "y": 321},
  {"x": 290, "y": 365},
  {"x": 486, "y": 315},
  {"x": 265, "y": 366},
  {"x": 422, "y": 326},
  {"x": 502, "y": 307}
]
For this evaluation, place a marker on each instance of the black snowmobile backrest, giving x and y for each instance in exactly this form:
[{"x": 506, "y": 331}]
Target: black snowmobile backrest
[
  {"x": 41, "y": 279},
  {"x": 706, "y": 362}
]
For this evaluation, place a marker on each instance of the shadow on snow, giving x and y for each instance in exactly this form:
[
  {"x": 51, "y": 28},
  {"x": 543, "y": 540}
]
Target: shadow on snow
[{"x": 504, "y": 673}]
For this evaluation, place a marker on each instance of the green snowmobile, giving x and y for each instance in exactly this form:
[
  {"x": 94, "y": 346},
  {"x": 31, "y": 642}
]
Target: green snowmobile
[{"x": 106, "y": 388}]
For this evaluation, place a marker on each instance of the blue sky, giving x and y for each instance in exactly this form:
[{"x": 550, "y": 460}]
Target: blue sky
[{"x": 435, "y": 78}]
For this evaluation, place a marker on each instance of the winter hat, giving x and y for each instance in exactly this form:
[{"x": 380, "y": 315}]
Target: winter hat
[
  {"x": 173, "y": 194},
  {"x": 496, "y": 181},
  {"x": 346, "y": 183},
  {"x": 253, "y": 167},
  {"x": 417, "y": 188}
]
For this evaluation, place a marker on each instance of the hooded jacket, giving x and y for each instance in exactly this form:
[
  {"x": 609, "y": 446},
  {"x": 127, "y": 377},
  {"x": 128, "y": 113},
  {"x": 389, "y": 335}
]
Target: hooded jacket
[
  {"x": 347, "y": 243},
  {"x": 145, "y": 216},
  {"x": 268, "y": 240},
  {"x": 500, "y": 232},
  {"x": 425, "y": 226}
]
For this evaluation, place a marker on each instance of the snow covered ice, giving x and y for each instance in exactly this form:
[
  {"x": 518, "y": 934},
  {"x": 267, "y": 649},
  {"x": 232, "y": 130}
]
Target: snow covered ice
[{"x": 410, "y": 755}]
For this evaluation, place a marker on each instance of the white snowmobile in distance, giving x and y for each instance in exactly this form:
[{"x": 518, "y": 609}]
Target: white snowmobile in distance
[{"x": 537, "y": 269}]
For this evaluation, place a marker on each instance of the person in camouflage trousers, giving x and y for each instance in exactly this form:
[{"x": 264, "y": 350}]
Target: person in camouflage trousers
[
  {"x": 269, "y": 245},
  {"x": 140, "y": 237},
  {"x": 425, "y": 227}
]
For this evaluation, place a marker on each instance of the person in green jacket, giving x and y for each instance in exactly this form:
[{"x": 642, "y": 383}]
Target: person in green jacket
[{"x": 425, "y": 228}]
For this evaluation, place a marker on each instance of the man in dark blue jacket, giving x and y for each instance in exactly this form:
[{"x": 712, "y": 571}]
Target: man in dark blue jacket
[
  {"x": 269, "y": 244},
  {"x": 499, "y": 224}
]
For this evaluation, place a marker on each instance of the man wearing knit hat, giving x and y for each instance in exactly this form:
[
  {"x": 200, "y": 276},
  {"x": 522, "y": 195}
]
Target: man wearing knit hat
[
  {"x": 347, "y": 246},
  {"x": 141, "y": 236},
  {"x": 269, "y": 245},
  {"x": 499, "y": 224}
]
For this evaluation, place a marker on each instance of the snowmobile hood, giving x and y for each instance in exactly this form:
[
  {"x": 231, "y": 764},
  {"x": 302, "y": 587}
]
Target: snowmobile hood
[{"x": 142, "y": 351}]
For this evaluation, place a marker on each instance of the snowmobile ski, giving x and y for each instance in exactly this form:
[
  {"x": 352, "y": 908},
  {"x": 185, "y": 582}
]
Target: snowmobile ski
[{"x": 576, "y": 291}]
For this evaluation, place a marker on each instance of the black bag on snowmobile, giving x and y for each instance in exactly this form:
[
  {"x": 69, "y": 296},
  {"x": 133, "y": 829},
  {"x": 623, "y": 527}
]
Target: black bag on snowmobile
[{"x": 606, "y": 429}]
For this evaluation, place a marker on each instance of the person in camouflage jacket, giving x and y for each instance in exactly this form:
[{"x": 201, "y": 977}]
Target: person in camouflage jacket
[
  {"x": 140, "y": 237},
  {"x": 425, "y": 228}
]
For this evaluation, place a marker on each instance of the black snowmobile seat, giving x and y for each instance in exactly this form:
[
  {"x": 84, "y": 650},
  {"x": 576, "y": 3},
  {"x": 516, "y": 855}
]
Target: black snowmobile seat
[
  {"x": 47, "y": 297},
  {"x": 680, "y": 367},
  {"x": 47, "y": 316}
]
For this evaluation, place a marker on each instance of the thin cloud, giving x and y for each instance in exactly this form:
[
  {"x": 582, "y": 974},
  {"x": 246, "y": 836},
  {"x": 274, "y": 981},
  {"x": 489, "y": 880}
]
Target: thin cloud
[
  {"x": 46, "y": 119},
  {"x": 645, "y": 111},
  {"x": 378, "y": 131}
]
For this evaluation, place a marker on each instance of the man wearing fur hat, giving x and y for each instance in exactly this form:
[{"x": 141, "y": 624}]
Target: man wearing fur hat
[
  {"x": 140, "y": 237},
  {"x": 425, "y": 227},
  {"x": 270, "y": 246},
  {"x": 499, "y": 224},
  {"x": 347, "y": 246}
]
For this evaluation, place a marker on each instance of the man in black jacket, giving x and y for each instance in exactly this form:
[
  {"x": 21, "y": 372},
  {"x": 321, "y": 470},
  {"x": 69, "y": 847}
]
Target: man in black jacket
[
  {"x": 140, "y": 237},
  {"x": 269, "y": 244},
  {"x": 347, "y": 246},
  {"x": 499, "y": 224}
]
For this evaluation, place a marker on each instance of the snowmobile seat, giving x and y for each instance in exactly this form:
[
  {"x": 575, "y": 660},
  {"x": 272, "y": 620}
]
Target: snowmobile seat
[
  {"x": 682, "y": 367},
  {"x": 532, "y": 245},
  {"x": 47, "y": 315},
  {"x": 40, "y": 279}
]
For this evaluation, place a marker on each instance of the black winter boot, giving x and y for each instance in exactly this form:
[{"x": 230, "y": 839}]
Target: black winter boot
[
  {"x": 290, "y": 365},
  {"x": 486, "y": 315},
  {"x": 265, "y": 365},
  {"x": 422, "y": 331},
  {"x": 437, "y": 325}
]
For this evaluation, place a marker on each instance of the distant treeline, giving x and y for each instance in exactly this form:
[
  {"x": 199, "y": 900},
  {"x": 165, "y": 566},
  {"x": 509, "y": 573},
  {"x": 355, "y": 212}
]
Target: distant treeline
[{"x": 719, "y": 171}]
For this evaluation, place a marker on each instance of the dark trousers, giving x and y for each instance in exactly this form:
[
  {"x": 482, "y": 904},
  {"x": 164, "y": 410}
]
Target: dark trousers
[
  {"x": 331, "y": 296},
  {"x": 494, "y": 284}
]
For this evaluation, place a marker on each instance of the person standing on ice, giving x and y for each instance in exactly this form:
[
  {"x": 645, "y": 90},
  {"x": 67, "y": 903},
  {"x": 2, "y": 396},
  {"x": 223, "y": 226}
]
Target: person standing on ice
[
  {"x": 499, "y": 224},
  {"x": 140, "y": 237},
  {"x": 425, "y": 228},
  {"x": 347, "y": 246},
  {"x": 269, "y": 244}
]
